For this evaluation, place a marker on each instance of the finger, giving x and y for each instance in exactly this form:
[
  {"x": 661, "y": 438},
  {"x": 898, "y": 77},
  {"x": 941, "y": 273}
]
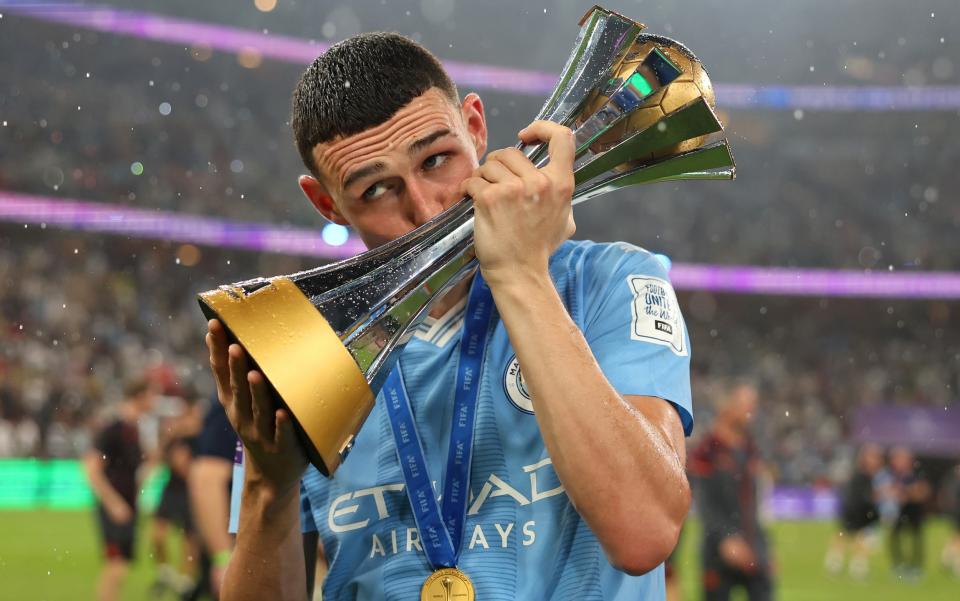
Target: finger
[
  {"x": 218, "y": 364},
  {"x": 239, "y": 385},
  {"x": 494, "y": 172},
  {"x": 261, "y": 405},
  {"x": 286, "y": 435},
  {"x": 559, "y": 139},
  {"x": 217, "y": 344},
  {"x": 474, "y": 186},
  {"x": 515, "y": 161}
]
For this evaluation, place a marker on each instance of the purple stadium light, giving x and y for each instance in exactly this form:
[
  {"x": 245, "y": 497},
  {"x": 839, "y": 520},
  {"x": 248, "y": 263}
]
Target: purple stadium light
[
  {"x": 784, "y": 281},
  {"x": 118, "y": 219},
  {"x": 471, "y": 75},
  {"x": 776, "y": 281}
]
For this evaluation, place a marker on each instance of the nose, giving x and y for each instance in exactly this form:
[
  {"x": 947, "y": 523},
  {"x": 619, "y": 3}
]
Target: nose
[{"x": 425, "y": 200}]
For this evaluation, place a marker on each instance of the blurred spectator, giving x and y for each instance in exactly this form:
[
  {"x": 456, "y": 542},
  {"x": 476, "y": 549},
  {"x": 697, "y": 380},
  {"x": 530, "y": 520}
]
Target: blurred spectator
[
  {"x": 950, "y": 501},
  {"x": 859, "y": 514},
  {"x": 112, "y": 469},
  {"x": 209, "y": 483},
  {"x": 725, "y": 468},
  {"x": 913, "y": 492},
  {"x": 177, "y": 440}
]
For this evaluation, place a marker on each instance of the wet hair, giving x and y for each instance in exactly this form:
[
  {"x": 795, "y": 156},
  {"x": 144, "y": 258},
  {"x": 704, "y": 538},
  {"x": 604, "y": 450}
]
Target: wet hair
[{"x": 359, "y": 83}]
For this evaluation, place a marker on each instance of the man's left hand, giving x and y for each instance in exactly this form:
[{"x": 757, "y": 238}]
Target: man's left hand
[{"x": 523, "y": 213}]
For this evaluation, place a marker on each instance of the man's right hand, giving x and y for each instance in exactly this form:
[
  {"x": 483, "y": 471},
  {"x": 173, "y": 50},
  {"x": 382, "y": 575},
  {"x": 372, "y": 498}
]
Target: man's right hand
[{"x": 273, "y": 456}]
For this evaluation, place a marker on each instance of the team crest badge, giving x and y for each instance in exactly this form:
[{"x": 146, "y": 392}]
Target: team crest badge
[{"x": 515, "y": 388}]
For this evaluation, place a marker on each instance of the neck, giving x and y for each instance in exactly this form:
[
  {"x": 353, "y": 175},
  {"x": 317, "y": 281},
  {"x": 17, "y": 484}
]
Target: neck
[{"x": 451, "y": 297}]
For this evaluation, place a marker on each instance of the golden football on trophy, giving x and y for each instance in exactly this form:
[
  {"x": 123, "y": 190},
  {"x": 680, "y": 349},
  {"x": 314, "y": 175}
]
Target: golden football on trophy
[{"x": 692, "y": 83}]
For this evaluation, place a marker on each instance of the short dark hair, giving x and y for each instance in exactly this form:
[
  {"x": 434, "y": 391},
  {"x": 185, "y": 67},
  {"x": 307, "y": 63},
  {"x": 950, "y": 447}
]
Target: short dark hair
[{"x": 359, "y": 83}]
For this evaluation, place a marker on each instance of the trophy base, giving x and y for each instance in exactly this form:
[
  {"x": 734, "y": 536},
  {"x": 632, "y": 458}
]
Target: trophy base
[{"x": 304, "y": 362}]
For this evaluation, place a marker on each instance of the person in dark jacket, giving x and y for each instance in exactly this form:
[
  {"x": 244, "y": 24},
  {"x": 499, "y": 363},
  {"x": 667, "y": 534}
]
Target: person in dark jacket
[{"x": 725, "y": 469}]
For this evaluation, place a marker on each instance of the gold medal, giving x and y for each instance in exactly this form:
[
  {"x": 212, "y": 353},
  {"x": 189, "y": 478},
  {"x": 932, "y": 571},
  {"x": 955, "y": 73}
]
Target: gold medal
[{"x": 447, "y": 584}]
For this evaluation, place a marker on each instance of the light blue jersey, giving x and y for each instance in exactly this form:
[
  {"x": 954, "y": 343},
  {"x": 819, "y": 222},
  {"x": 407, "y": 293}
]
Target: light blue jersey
[{"x": 523, "y": 537}]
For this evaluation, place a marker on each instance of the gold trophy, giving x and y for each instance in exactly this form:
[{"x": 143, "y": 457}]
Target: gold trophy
[{"x": 641, "y": 107}]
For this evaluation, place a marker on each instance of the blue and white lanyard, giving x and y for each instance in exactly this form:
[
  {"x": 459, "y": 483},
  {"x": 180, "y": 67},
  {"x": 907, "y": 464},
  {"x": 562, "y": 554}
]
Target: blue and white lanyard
[{"x": 441, "y": 528}]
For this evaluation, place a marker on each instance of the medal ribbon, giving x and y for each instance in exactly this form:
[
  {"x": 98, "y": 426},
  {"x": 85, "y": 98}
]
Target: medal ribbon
[{"x": 441, "y": 529}]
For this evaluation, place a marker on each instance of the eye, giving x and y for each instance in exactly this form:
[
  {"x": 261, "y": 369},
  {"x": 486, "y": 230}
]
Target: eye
[
  {"x": 435, "y": 160},
  {"x": 375, "y": 191}
]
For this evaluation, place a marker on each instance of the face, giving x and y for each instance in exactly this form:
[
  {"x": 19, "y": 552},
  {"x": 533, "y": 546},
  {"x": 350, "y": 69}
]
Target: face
[
  {"x": 743, "y": 404},
  {"x": 871, "y": 458},
  {"x": 901, "y": 460},
  {"x": 394, "y": 177}
]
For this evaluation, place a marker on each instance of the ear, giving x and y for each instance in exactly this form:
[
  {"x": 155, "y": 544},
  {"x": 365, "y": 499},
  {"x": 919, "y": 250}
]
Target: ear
[
  {"x": 471, "y": 109},
  {"x": 318, "y": 196}
]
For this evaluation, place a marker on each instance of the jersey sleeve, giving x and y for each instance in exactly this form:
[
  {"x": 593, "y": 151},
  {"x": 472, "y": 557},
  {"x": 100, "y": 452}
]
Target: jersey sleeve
[{"x": 633, "y": 324}]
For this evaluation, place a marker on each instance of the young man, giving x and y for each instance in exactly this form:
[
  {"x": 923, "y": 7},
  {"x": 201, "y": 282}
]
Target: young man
[
  {"x": 725, "y": 467},
  {"x": 111, "y": 466},
  {"x": 577, "y": 488}
]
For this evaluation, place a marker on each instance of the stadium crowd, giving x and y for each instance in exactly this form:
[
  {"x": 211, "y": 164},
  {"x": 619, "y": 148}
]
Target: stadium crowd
[{"x": 83, "y": 313}]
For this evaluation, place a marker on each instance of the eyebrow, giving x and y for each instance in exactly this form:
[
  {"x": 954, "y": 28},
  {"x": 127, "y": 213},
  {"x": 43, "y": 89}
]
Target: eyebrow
[
  {"x": 427, "y": 140},
  {"x": 367, "y": 171},
  {"x": 375, "y": 168}
]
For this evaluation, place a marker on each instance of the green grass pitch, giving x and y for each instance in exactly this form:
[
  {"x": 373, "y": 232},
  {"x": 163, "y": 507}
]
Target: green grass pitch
[{"x": 54, "y": 555}]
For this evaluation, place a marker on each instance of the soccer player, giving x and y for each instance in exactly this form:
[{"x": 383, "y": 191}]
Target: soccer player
[
  {"x": 111, "y": 467},
  {"x": 577, "y": 478},
  {"x": 859, "y": 513},
  {"x": 725, "y": 466}
]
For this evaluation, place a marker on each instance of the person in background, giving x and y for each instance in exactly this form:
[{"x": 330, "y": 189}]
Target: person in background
[
  {"x": 208, "y": 483},
  {"x": 178, "y": 436},
  {"x": 111, "y": 466},
  {"x": 913, "y": 491},
  {"x": 950, "y": 501},
  {"x": 724, "y": 469},
  {"x": 858, "y": 515}
]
